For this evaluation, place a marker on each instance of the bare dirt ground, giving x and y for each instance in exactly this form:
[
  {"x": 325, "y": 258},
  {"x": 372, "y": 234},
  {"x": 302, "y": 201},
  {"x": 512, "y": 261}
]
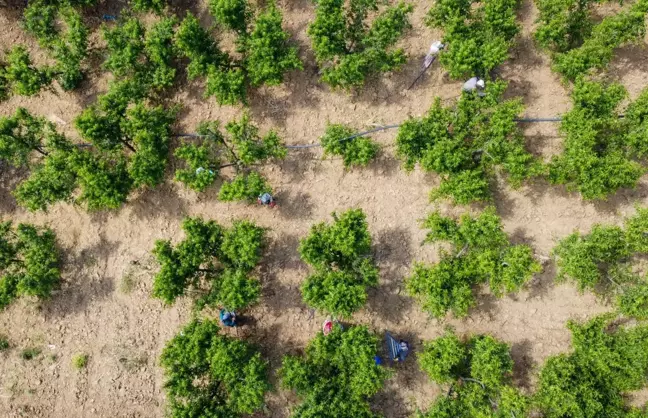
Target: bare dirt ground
[{"x": 104, "y": 307}]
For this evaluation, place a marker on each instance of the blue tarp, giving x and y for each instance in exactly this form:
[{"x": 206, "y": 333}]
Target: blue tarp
[{"x": 393, "y": 347}]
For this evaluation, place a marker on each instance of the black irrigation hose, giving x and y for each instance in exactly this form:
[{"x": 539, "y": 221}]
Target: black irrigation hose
[{"x": 378, "y": 129}]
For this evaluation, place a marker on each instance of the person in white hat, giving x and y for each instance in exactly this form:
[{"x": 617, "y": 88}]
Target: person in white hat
[
  {"x": 475, "y": 84},
  {"x": 434, "y": 50}
]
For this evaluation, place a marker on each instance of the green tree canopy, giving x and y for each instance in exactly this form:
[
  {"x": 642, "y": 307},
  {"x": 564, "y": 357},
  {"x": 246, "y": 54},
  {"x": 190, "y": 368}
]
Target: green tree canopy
[
  {"x": 348, "y": 48},
  {"x": 603, "y": 261},
  {"x": 606, "y": 362},
  {"x": 466, "y": 142},
  {"x": 480, "y": 370},
  {"x": 336, "y": 376},
  {"x": 212, "y": 259},
  {"x": 480, "y": 252},
  {"x": 340, "y": 253},
  {"x": 477, "y": 35},
  {"x": 600, "y": 150},
  {"x": 212, "y": 375},
  {"x": 241, "y": 146},
  {"x": 29, "y": 262}
]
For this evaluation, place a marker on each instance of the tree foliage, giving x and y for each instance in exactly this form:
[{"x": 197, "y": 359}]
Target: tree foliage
[
  {"x": 600, "y": 150},
  {"x": 340, "y": 253},
  {"x": 602, "y": 261},
  {"x": 348, "y": 48},
  {"x": 480, "y": 370},
  {"x": 567, "y": 28},
  {"x": 213, "y": 375},
  {"x": 21, "y": 76},
  {"x": 466, "y": 142},
  {"x": 240, "y": 146},
  {"x": 337, "y": 374},
  {"x": 59, "y": 28},
  {"x": 605, "y": 363},
  {"x": 477, "y": 38},
  {"x": 265, "y": 55},
  {"x": 214, "y": 260},
  {"x": 480, "y": 252},
  {"x": 358, "y": 151},
  {"x": 29, "y": 262}
]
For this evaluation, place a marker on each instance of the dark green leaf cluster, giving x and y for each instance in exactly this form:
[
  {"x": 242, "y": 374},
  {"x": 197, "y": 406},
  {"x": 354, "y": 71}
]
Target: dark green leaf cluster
[
  {"x": 104, "y": 175},
  {"x": 480, "y": 252},
  {"x": 567, "y": 28},
  {"x": 358, "y": 151},
  {"x": 602, "y": 260},
  {"x": 480, "y": 370},
  {"x": 340, "y": 253},
  {"x": 241, "y": 147},
  {"x": 348, "y": 48},
  {"x": 60, "y": 29},
  {"x": 600, "y": 150},
  {"x": 145, "y": 56},
  {"x": 607, "y": 361},
  {"x": 466, "y": 142},
  {"x": 156, "y": 6},
  {"x": 212, "y": 375},
  {"x": 20, "y": 76},
  {"x": 214, "y": 260},
  {"x": 29, "y": 262},
  {"x": 114, "y": 125},
  {"x": 477, "y": 38},
  {"x": 261, "y": 42},
  {"x": 337, "y": 375}
]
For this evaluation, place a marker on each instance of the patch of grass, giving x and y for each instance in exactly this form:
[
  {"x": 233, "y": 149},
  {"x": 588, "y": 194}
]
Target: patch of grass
[
  {"x": 132, "y": 362},
  {"x": 128, "y": 283},
  {"x": 30, "y": 353},
  {"x": 4, "y": 343},
  {"x": 80, "y": 361}
]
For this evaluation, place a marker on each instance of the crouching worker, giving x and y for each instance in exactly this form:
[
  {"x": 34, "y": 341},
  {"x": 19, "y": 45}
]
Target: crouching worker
[
  {"x": 228, "y": 318},
  {"x": 266, "y": 199},
  {"x": 475, "y": 84}
]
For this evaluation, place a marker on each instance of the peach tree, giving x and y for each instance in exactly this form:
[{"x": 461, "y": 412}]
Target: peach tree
[
  {"x": 601, "y": 152},
  {"x": 212, "y": 375},
  {"x": 240, "y": 147},
  {"x": 480, "y": 252},
  {"x": 466, "y": 142},
  {"x": 479, "y": 371},
  {"x": 607, "y": 361},
  {"x": 213, "y": 261},
  {"x": 340, "y": 254},
  {"x": 29, "y": 262},
  {"x": 337, "y": 375},
  {"x": 477, "y": 35},
  {"x": 348, "y": 48}
]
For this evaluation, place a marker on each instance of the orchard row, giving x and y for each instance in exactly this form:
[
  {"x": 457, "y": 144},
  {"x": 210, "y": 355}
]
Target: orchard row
[{"x": 207, "y": 371}]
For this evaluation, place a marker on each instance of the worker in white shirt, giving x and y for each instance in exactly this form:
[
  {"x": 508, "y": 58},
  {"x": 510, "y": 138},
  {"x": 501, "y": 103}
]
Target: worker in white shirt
[
  {"x": 475, "y": 84},
  {"x": 434, "y": 50}
]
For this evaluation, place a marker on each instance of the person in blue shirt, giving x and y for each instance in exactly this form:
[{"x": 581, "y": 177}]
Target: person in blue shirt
[
  {"x": 228, "y": 318},
  {"x": 266, "y": 199}
]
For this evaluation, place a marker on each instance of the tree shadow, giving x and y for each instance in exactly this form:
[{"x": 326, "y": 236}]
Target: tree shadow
[
  {"x": 486, "y": 304},
  {"x": 629, "y": 58},
  {"x": 393, "y": 254},
  {"x": 295, "y": 205},
  {"x": 384, "y": 165},
  {"x": 10, "y": 177},
  {"x": 522, "y": 363},
  {"x": 161, "y": 201},
  {"x": 84, "y": 279},
  {"x": 542, "y": 282}
]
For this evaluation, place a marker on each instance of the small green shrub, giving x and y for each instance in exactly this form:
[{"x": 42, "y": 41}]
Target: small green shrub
[
  {"x": 4, "y": 343},
  {"x": 30, "y": 353},
  {"x": 80, "y": 361},
  {"x": 358, "y": 151}
]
